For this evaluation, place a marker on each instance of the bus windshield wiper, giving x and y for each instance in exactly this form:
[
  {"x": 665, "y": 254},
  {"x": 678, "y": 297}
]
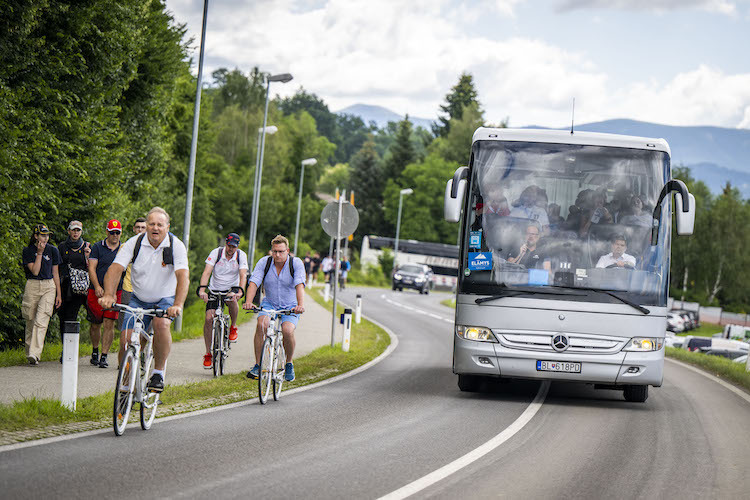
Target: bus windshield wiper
[
  {"x": 515, "y": 291},
  {"x": 611, "y": 294}
]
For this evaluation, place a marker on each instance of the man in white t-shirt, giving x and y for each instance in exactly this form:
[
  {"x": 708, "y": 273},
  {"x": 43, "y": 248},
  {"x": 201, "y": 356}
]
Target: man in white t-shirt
[
  {"x": 223, "y": 273},
  {"x": 617, "y": 257},
  {"x": 159, "y": 276}
]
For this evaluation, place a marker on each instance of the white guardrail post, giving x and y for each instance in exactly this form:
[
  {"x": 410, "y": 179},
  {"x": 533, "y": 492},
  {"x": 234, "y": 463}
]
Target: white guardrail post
[
  {"x": 346, "y": 319},
  {"x": 69, "y": 392},
  {"x": 326, "y": 291},
  {"x": 358, "y": 310}
]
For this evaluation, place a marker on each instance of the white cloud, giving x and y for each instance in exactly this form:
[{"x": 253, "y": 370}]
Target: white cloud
[
  {"x": 407, "y": 55},
  {"x": 718, "y": 6}
]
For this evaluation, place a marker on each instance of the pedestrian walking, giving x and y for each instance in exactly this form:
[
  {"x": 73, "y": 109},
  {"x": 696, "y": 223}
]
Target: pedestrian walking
[
  {"x": 42, "y": 292},
  {"x": 74, "y": 274}
]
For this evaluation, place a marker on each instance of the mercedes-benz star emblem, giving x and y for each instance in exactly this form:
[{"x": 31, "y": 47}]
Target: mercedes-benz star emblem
[{"x": 560, "y": 342}]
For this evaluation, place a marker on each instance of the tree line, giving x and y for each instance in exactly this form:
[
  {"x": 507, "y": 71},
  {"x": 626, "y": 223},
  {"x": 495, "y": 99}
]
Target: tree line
[{"x": 96, "y": 108}]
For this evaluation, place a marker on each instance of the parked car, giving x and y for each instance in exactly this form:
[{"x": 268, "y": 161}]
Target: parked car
[
  {"x": 416, "y": 276},
  {"x": 675, "y": 322}
]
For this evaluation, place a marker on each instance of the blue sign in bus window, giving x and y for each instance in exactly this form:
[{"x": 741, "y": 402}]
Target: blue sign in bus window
[
  {"x": 475, "y": 239},
  {"x": 480, "y": 261}
]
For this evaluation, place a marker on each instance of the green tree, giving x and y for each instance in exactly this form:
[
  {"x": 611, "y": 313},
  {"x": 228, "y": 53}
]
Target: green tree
[
  {"x": 462, "y": 95},
  {"x": 367, "y": 183},
  {"x": 455, "y": 146},
  {"x": 401, "y": 152}
]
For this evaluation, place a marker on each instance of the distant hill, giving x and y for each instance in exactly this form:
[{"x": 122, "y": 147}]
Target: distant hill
[
  {"x": 381, "y": 116},
  {"x": 714, "y": 155}
]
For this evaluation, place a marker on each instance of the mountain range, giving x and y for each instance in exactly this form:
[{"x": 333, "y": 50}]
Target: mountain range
[{"x": 714, "y": 155}]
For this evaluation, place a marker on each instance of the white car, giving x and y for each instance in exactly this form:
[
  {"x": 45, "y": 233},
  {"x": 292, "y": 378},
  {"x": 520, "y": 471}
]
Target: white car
[{"x": 675, "y": 322}]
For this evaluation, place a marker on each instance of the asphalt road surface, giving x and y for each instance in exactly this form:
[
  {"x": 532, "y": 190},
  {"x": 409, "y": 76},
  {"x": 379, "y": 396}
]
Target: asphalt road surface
[{"x": 404, "y": 423}]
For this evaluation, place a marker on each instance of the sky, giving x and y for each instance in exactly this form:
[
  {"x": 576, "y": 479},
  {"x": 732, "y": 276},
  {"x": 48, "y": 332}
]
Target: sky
[{"x": 673, "y": 62}]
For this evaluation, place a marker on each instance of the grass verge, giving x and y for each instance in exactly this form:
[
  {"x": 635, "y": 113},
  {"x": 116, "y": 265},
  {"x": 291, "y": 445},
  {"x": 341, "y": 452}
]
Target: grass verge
[
  {"x": 37, "y": 418},
  {"x": 724, "y": 368},
  {"x": 192, "y": 328}
]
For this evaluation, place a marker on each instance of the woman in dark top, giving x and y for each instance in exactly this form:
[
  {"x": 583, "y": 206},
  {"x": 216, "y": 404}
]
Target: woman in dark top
[
  {"x": 74, "y": 254},
  {"x": 42, "y": 293}
]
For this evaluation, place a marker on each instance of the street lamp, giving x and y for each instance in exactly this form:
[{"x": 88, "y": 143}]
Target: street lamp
[
  {"x": 283, "y": 78},
  {"x": 309, "y": 161},
  {"x": 398, "y": 222},
  {"x": 270, "y": 130}
]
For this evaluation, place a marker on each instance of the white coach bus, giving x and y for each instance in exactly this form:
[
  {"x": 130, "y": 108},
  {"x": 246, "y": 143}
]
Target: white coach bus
[{"x": 564, "y": 257}]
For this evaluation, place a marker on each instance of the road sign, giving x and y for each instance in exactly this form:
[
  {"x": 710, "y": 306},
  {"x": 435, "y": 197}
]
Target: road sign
[{"x": 349, "y": 219}]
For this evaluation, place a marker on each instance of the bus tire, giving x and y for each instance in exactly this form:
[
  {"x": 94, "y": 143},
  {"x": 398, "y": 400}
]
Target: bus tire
[
  {"x": 636, "y": 393},
  {"x": 469, "y": 383}
]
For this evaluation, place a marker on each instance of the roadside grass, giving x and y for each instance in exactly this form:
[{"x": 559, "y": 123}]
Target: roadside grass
[
  {"x": 34, "y": 418},
  {"x": 192, "y": 327},
  {"x": 721, "y": 367},
  {"x": 705, "y": 330},
  {"x": 449, "y": 302}
]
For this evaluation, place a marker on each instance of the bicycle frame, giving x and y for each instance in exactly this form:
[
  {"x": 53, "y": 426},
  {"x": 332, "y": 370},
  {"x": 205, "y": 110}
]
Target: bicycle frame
[
  {"x": 222, "y": 320},
  {"x": 274, "y": 336}
]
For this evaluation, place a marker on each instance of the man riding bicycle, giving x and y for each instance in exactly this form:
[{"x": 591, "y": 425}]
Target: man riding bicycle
[
  {"x": 159, "y": 276},
  {"x": 283, "y": 279},
  {"x": 226, "y": 269}
]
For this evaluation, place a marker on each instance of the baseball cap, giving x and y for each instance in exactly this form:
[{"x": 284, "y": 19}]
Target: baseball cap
[
  {"x": 75, "y": 224},
  {"x": 233, "y": 239},
  {"x": 41, "y": 229},
  {"x": 114, "y": 225}
]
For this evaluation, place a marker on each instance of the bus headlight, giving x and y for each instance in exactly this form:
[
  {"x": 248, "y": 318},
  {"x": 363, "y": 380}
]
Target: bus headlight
[
  {"x": 642, "y": 344},
  {"x": 476, "y": 333}
]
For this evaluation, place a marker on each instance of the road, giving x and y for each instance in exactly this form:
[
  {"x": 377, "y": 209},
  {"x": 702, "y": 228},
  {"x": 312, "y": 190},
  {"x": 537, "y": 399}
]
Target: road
[{"x": 403, "y": 419}]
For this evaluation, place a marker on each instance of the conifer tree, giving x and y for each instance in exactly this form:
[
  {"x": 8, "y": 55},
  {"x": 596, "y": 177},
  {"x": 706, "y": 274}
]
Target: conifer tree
[
  {"x": 461, "y": 95},
  {"x": 367, "y": 182},
  {"x": 401, "y": 153}
]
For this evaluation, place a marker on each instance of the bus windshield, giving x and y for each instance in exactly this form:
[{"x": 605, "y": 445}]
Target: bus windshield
[{"x": 563, "y": 215}]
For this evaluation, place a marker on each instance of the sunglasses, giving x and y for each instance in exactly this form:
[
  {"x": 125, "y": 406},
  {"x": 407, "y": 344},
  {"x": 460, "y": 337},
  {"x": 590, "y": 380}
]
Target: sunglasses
[
  {"x": 75, "y": 229},
  {"x": 114, "y": 232}
]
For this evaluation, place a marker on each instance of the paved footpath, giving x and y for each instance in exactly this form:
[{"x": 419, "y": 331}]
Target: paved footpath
[{"x": 185, "y": 362}]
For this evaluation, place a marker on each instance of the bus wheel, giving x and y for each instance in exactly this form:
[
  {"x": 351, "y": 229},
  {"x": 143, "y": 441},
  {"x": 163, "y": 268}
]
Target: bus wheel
[
  {"x": 636, "y": 393},
  {"x": 469, "y": 383}
]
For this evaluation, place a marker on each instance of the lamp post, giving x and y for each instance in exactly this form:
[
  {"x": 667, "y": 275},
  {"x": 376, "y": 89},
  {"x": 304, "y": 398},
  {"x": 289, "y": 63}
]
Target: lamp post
[
  {"x": 398, "y": 222},
  {"x": 309, "y": 161},
  {"x": 270, "y": 130},
  {"x": 283, "y": 78}
]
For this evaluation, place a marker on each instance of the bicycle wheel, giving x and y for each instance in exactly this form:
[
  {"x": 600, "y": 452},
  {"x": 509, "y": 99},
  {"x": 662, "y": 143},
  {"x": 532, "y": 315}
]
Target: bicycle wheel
[
  {"x": 266, "y": 371},
  {"x": 150, "y": 401},
  {"x": 216, "y": 347},
  {"x": 278, "y": 378},
  {"x": 223, "y": 347},
  {"x": 124, "y": 391}
]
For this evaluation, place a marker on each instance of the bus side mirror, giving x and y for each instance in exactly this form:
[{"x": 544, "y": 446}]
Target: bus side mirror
[
  {"x": 685, "y": 220},
  {"x": 454, "y": 195}
]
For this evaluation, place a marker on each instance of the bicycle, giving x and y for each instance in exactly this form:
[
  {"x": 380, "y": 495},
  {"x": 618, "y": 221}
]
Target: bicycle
[
  {"x": 219, "y": 329},
  {"x": 130, "y": 388},
  {"x": 272, "y": 356}
]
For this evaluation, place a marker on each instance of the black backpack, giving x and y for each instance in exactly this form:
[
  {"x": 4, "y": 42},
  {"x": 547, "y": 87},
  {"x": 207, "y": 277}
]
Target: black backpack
[
  {"x": 269, "y": 261},
  {"x": 166, "y": 257}
]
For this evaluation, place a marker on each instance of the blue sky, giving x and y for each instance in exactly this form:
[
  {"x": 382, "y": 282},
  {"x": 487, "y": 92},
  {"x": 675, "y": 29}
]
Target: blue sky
[{"x": 676, "y": 62}]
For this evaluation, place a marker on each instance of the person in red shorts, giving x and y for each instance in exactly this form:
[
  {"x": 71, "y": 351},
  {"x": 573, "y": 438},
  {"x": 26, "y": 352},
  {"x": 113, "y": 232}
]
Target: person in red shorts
[{"x": 102, "y": 255}]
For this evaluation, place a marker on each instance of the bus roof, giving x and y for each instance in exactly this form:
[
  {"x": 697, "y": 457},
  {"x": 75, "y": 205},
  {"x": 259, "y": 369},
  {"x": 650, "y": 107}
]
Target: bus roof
[{"x": 565, "y": 137}]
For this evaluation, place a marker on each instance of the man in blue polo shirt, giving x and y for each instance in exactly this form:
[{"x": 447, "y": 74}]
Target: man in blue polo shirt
[
  {"x": 103, "y": 253},
  {"x": 283, "y": 290}
]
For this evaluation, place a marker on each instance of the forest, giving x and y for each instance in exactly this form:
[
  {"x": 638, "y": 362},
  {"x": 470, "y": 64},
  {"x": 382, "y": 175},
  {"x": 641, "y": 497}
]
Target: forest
[{"x": 96, "y": 111}]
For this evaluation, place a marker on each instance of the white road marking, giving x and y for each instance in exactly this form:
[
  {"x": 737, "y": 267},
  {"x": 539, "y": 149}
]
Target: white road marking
[
  {"x": 726, "y": 385},
  {"x": 474, "y": 455},
  {"x": 418, "y": 311}
]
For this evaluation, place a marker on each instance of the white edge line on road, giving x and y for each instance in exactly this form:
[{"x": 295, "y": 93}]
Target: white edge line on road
[
  {"x": 726, "y": 385},
  {"x": 360, "y": 369},
  {"x": 474, "y": 455}
]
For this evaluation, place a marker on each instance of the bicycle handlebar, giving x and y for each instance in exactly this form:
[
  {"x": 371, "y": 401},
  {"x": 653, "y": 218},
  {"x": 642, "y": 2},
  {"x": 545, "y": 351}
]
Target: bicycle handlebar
[
  {"x": 216, "y": 294},
  {"x": 276, "y": 312},
  {"x": 160, "y": 313}
]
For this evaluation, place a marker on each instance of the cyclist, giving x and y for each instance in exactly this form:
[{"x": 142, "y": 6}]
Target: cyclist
[
  {"x": 226, "y": 269},
  {"x": 159, "y": 277},
  {"x": 284, "y": 285}
]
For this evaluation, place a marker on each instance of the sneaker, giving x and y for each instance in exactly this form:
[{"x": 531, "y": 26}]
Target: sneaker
[
  {"x": 32, "y": 360},
  {"x": 233, "y": 334},
  {"x": 156, "y": 384},
  {"x": 254, "y": 372},
  {"x": 103, "y": 361},
  {"x": 207, "y": 361},
  {"x": 95, "y": 358},
  {"x": 289, "y": 372}
]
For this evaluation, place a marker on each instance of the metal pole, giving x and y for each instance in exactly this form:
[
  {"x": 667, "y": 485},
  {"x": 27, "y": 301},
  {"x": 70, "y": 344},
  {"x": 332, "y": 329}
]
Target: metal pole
[
  {"x": 193, "y": 147},
  {"x": 256, "y": 198},
  {"x": 335, "y": 284},
  {"x": 255, "y": 190},
  {"x": 398, "y": 227},
  {"x": 299, "y": 207}
]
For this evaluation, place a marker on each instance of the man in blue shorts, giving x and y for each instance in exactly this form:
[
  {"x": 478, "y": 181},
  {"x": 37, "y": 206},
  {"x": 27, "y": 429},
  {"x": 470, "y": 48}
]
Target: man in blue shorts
[
  {"x": 159, "y": 276},
  {"x": 284, "y": 285}
]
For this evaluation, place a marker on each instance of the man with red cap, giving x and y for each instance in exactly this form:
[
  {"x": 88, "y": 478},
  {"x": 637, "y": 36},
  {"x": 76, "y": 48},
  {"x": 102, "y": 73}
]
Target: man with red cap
[
  {"x": 103, "y": 253},
  {"x": 226, "y": 269}
]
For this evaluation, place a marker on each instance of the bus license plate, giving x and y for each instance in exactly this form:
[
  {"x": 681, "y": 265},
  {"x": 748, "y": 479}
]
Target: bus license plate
[{"x": 558, "y": 366}]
